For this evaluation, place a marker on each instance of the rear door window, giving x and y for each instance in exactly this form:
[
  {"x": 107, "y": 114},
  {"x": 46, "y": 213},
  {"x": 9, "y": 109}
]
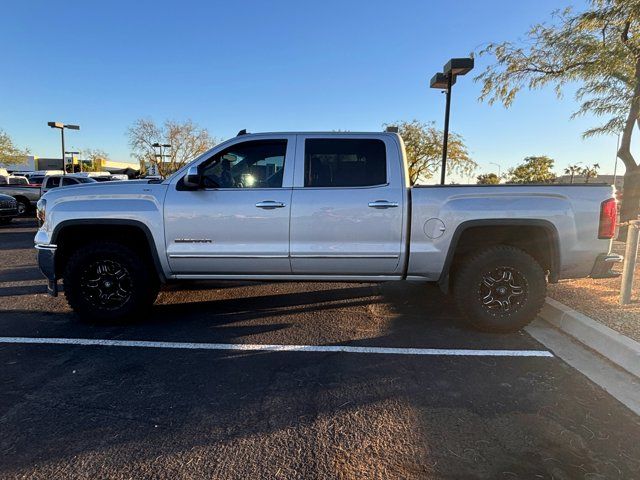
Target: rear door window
[
  {"x": 344, "y": 162},
  {"x": 69, "y": 181}
]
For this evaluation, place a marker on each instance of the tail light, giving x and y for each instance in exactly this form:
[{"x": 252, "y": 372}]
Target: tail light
[{"x": 608, "y": 215}]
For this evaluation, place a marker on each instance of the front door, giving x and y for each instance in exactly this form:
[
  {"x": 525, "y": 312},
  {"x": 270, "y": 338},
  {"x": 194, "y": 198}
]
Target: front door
[
  {"x": 347, "y": 213},
  {"x": 238, "y": 222}
]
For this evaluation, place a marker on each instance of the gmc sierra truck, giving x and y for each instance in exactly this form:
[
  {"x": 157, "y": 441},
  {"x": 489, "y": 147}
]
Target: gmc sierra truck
[{"x": 321, "y": 207}]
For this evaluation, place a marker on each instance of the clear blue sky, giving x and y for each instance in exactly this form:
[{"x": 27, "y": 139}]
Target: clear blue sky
[{"x": 265, "y": 66}]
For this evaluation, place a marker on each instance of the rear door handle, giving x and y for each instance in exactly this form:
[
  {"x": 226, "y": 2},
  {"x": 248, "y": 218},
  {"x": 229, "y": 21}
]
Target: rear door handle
[
  {"x": 270, "y": 204},
  {"x": 383, "y": 204}
]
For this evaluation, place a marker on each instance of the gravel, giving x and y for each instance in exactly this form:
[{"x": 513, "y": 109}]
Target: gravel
[{"x": 600, "y": 299}]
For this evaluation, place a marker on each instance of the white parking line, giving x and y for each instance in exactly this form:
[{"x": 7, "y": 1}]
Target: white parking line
[{"x": 276, "y": 348}]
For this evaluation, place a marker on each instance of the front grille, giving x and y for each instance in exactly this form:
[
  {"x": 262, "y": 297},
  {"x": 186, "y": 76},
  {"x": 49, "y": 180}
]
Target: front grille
[{"x": 8, "y": 203}]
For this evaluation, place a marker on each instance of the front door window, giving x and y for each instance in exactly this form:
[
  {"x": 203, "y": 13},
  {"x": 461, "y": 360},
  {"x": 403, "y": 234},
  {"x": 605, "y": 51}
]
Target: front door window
[{"x": 252, "y": 164}]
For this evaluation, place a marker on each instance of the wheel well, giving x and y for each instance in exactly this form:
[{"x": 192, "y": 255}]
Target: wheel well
[
  {"x": 537, "y": 240},
  {"x": 73, "y": 237},
  {"x": 20, "y": 198}
]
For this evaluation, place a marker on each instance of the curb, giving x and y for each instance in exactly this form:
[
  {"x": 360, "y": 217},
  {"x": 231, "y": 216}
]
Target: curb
[{"x": 619, "y": 349}]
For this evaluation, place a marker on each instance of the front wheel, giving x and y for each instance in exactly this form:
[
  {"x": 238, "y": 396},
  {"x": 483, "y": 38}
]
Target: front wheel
[
  {"x": 500, "y": 289},
  {"x": 107, "y": 281},
  {"x": 23, "y": 207}
]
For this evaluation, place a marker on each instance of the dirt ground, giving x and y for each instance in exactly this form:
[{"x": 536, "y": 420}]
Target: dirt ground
[{"x": 600, "y": 299}]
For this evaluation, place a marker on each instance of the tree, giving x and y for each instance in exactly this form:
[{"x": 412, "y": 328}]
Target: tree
[
  {"x": 533, "y": 170},
  {"x": 187, "y": 141},
  {"x": 93, "y": 159},
  {"x": 488, "y": 179},
  {"x": 423, "y": 145},
  {"x": 572, "y": 170},
  {"x": 590, "y": 172},
  {"x": 9, "y": 153},
  {"x": 598, "y": 49}
]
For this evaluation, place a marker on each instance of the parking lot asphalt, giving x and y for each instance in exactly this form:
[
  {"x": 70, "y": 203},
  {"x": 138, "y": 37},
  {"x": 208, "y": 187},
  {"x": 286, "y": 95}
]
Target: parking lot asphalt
[{"x": 80, "y": 411}]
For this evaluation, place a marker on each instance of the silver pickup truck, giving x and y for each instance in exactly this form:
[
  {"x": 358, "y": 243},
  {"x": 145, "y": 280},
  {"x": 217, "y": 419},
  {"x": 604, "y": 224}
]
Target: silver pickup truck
[{"x": 321, "y": 207}]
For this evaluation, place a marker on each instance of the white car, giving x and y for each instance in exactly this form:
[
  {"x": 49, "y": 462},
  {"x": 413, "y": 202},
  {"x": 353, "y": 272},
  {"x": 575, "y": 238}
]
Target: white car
[
  {"x": 55, "y": 181},
  {"x": 13, "y": 180}
]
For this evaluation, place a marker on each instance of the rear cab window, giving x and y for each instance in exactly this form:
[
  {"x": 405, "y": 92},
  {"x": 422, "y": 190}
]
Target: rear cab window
[{"x": 344, "y": 162}]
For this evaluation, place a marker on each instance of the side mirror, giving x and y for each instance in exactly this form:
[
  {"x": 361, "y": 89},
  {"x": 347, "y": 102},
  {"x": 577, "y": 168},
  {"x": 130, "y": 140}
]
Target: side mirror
[{"x": 192, "y": 179}]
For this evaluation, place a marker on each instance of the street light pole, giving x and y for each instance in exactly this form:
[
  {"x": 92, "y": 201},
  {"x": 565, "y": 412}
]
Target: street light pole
[
  {"x": 64, "y": 160},
  {"x": 160, "y": 146},
  {"x": 445, "y": 141},
  {"x": 499, "y": 168},
  {"x": 445, "y": 80},
  {"x": 73, "y": 154},
  {"x": 62, "y": 126}
]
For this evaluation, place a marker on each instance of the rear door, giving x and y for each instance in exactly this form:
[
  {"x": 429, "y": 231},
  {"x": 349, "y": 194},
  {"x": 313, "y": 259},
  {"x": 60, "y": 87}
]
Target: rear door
[{"x": 347, "y": 206}]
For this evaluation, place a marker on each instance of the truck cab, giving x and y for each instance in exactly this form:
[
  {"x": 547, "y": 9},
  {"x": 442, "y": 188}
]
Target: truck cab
[{"x": 302, "y": 205}]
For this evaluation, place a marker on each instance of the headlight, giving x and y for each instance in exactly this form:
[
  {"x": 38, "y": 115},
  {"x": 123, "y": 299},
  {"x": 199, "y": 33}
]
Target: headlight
[{"x": 41, "y": 210}]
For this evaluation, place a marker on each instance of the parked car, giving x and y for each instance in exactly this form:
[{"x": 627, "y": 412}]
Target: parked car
[
  {"x": 322, "y": 207},
  {"x": 119, "y": 177},
  {"x": 26, "y": 195},
  {"x": 55, "y": 181},
  {"x": 13, "y": 180},
  {"x": 36, "y": 177},
  {"x": 97, "y": 176},
  {"x": 8, "y": 209}
]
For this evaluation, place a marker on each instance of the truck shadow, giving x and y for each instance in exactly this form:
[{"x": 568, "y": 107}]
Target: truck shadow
[{"x": 348, "y": 415}]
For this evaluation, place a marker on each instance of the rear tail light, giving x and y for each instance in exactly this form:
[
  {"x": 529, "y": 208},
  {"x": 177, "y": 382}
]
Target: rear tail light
[{"x": 608, "y": 214}]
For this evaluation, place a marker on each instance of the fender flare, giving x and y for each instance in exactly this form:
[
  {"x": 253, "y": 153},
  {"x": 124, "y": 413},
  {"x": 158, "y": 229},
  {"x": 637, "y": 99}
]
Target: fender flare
[
  {"x": 117, "y": 222},
  {"x": 549, "y": 228}
]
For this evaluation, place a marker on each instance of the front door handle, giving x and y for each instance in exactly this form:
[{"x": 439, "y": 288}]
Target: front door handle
[
  {"x": 270, "y": 204},
  {"x": 383, "y": 204}
]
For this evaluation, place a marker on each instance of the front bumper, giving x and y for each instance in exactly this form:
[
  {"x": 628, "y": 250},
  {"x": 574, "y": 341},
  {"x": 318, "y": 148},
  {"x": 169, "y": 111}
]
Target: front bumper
[
  {"x": 8, "y": 212},
  {"x": 47, "y": 265},
  {"x": 603, "y": 265}
]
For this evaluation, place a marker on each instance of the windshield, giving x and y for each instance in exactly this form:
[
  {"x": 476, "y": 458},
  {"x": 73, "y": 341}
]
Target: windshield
[{"x": 85, "y": 180}]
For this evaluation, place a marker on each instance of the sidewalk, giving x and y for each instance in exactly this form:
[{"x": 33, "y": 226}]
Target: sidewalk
[{"x": 599, "y": 299}]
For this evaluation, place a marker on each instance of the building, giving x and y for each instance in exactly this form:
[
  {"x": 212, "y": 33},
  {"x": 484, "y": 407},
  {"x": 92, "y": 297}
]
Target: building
[{"x": 29, "y": 164}]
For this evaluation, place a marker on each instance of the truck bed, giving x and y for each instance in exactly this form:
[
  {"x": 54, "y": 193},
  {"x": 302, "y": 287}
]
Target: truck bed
[{"x": 440, "y": 215}]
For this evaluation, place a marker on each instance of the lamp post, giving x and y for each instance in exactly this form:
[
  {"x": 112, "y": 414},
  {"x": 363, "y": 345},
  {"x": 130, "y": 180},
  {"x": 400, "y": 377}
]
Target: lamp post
[
  {"x": 62, "y": 126},
  {"x": 444, "y": 81},
  {"x": 72, "y": 154},
  {"x": 160, "y": 146},
  {"x": 499, "y": 169}
]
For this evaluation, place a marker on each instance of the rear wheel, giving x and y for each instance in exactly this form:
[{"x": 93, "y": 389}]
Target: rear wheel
[
  {"x": 108, "y": 281},
  {"x": 500, "y": 289}
]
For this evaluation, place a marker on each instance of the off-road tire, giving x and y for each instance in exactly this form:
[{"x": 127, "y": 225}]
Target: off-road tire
[
  {"x": 111, "y": 260},
  {"x": 482, "y": 305}
]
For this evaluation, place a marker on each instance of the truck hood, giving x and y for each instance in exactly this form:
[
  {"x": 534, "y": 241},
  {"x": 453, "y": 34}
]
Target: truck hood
[{"x": 105, "y": 190}]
